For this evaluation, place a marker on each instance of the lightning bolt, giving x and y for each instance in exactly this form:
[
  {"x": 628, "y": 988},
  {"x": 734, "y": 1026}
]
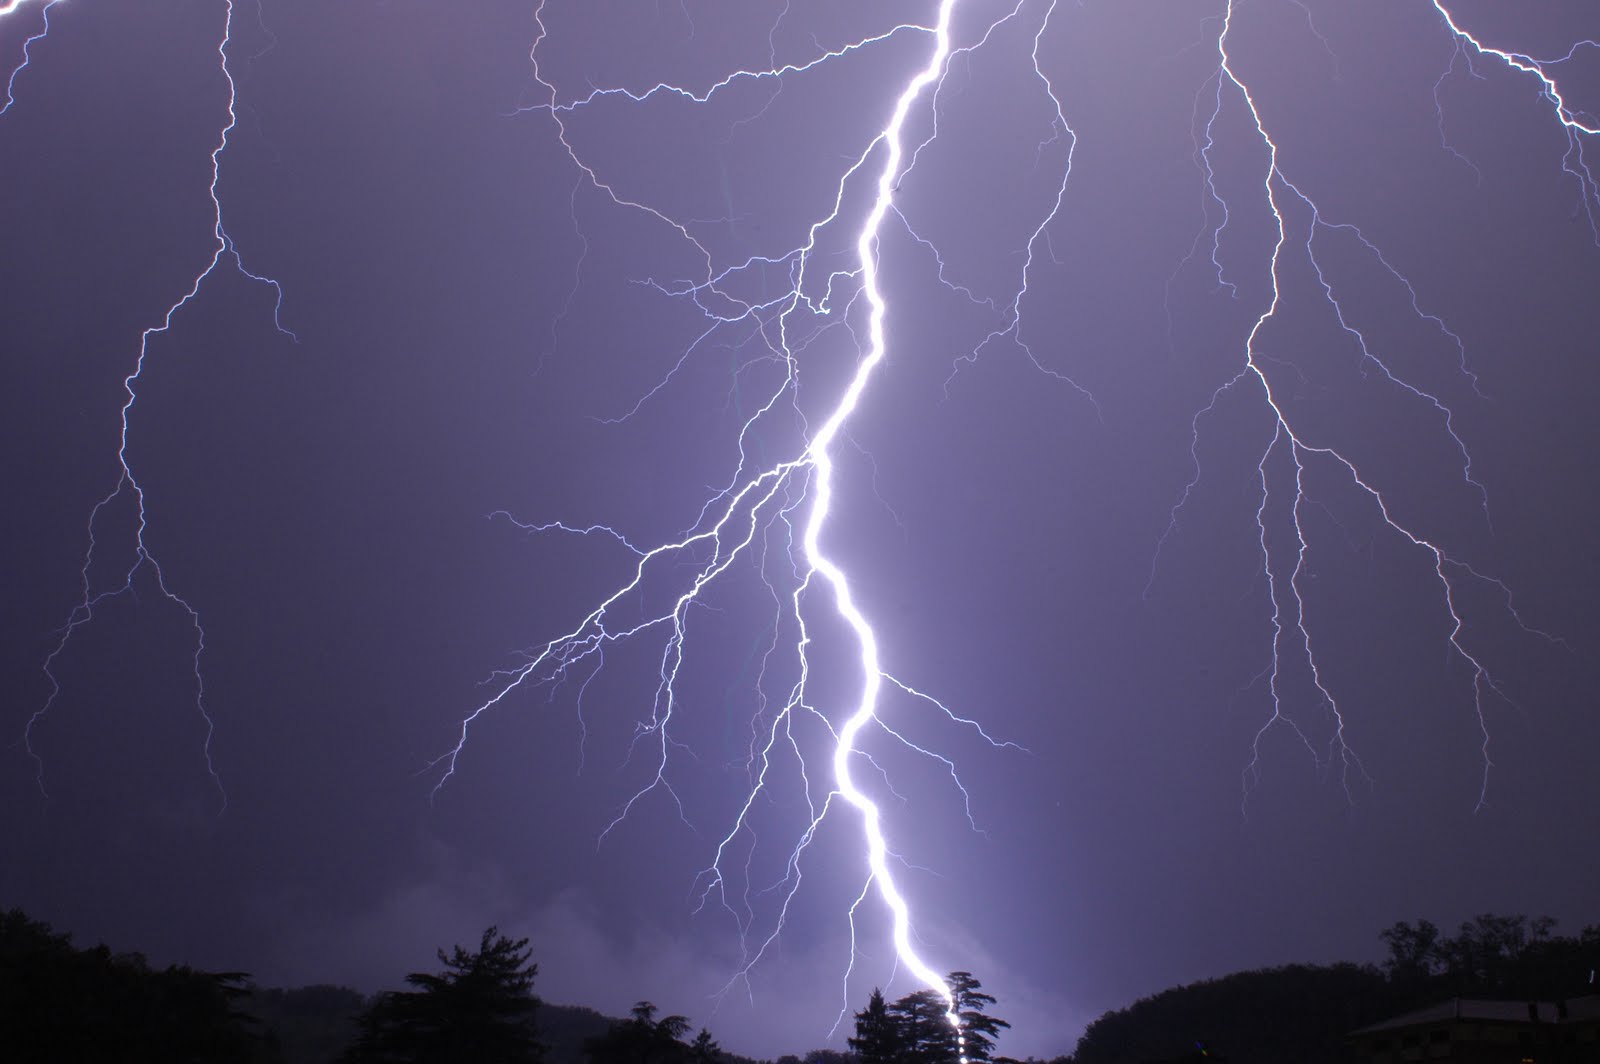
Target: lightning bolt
[
  {"x": 1572, "y": 123},
  {"x": 773, "y": 517},
  {"x": 794, "y": 497},
  {"x": 1283, "y": 198},
  {"x": 127, "y": 487},
  {"x": 11, "y": 7},
  {"x": 785, "y": 507}
]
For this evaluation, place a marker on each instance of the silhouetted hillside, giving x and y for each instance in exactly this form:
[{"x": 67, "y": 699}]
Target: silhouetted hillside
[
  {"x": 564, "y": 1029},
  {"x": 1296, "y": 1013},
  {"x": 1303, "y": 1013},
  {"x": 315, "y": 1024},
  {"x": 59, "y": 1002},
  {"x": 308, "y": 1024}
]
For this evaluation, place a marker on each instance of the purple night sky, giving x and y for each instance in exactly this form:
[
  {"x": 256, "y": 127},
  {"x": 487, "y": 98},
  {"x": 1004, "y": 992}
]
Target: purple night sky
[{"x": 494, "y": 329}]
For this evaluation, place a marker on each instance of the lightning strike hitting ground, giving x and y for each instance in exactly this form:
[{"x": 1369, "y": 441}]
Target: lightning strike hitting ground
[
  {"x": 127, "y": 488},
  {"x": 756, "y": 498},
  {"x": 753, "y": 499},
  {"x": 773, "y": 517}
]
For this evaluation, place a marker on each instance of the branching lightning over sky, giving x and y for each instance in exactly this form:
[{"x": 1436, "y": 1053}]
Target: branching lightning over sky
[
  {"x": 798, "y": 495},
  {"x": 128, "y": 490},
  {"x": 827, "y": 726},
  {"x": 730, "y": 522},
  {"x": 1576, "y": 125},
  {"x": 1290, "y": 206}
]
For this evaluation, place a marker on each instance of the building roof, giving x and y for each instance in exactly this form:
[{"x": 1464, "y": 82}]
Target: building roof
[{"x": 1472, "y": 1010}]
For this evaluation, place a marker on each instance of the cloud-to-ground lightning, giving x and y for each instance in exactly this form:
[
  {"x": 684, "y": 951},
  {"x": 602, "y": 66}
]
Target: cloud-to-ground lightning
[
  {"x": 795, "y": 497},
  {"x": 757, "y": 499},
  {"x": 127, "y": 489},
  {"x": 773, "y": 519},
  {"x": 731, "y": 524}
]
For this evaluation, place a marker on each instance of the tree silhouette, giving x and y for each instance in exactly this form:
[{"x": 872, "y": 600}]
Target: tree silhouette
[
  {"x": 1490, "y": 956},
  {"x": 60, "y": 1003},
  {"x": 916, "y": 1029},
  {"x": 978, "y": 1028},
  {"x": 926, "y": 1034},
  {"x": 829, "y": 1056},
  {"x": 480, "y": 1008},
  {"x": 877, "y": 1039},
  {"x": 704, "y": 1049},
  {"x": 643, "y": 1039},
  {"x": 1413, "y": 951}
]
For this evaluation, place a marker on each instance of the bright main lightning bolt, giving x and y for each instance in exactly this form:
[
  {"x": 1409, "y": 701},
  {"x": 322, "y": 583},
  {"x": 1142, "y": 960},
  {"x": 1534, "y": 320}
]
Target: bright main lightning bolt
[
  {"x": 1572, "y": 122},
  {"x": 127, "y": 484},
  {"x": 10, "y": 7},
  {"x": 791, "y": 502},
  {"x": 822, "y": 463},
  {"x": 735, "y": 522},
  {"x": 731, "y": 521}
]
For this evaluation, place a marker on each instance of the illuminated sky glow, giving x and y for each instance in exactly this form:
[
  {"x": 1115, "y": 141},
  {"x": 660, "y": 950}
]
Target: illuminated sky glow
[{"x": 933, "y": 453}]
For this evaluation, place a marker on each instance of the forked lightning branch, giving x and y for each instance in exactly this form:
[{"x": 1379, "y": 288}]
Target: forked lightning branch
[{"x": 793, "y": 502}]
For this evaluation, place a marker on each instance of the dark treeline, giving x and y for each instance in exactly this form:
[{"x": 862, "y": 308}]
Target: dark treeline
[
  {"x": 61, "y": 1003},
  {"x": 1491, "y": 956},
  {"x": 1303, "y": 1012},
  {"x": 917, "y": 1029},
  {"x": 58, "y": 1003}
]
